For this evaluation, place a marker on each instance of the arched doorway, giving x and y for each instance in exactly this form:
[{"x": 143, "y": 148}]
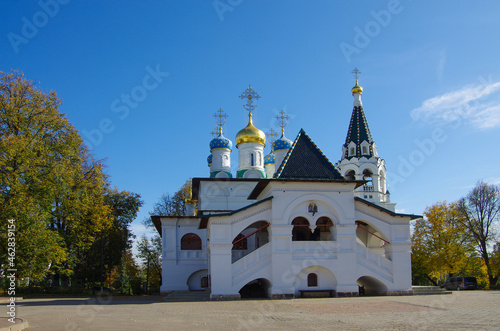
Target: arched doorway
[
  {"x": 370, "y": 286},
  {"x": 258, "y": 288}
]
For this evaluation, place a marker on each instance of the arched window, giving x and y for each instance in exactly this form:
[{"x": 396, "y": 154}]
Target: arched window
[
  {"x": 323, "y": 227},
  {"x": 312, "y": 280},
  {"x": 191, "y": 241},
  {"x": 252, "y": 162},
  {"x": 350, "y": 175},
  {"x": 240, "y": 242},
  {"x": 301, "y": 230},
  {"x": 351, "y": 151},
  {"x": 367, "y": 175}
]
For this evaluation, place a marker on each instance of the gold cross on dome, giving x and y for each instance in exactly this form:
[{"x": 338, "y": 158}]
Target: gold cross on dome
[
  {"x": 215, "y": 132},
  {"x": 250, "y": 95},
  {"x": 271, "y": 136},
  {"x": 356, "y": 73},
  {"x": 282, "y": 120},
  {"x": 220, "y": 119}
]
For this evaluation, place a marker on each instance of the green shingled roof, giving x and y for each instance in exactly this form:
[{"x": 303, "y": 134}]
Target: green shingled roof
[{"x": 358, "y": 132}]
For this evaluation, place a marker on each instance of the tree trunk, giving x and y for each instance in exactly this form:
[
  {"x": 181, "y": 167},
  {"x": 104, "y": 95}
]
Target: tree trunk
[{"x": 432, "y": 280}]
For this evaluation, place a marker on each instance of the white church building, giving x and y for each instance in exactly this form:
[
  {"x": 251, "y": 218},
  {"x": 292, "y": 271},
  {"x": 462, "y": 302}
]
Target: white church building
[{"x": 289, "y": 224}]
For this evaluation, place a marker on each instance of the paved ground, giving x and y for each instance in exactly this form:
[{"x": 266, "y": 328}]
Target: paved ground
[{"x": 464, "y": 310}]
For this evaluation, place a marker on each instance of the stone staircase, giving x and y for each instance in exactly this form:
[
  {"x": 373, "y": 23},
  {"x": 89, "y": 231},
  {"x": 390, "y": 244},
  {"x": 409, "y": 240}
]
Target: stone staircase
[
  {"x": 187, "y": 296},
  {"x": 256, "y": 264},
  {"x": 427, "y": 290}
]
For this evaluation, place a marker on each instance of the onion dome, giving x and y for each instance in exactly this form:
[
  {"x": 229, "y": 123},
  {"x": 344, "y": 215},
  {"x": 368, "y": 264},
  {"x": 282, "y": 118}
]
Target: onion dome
[
  {"x": 250, "y": 134},
  {"x": 357, "y": 88},
  {"x": 282, "y": 143},
  {"x": 209, "y": 160},
  {"x": 220, "y": 142},
  {"x": 269, "y": 159}
]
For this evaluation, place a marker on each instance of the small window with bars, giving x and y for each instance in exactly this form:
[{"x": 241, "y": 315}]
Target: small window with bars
[{"x": 312, "y": 280}]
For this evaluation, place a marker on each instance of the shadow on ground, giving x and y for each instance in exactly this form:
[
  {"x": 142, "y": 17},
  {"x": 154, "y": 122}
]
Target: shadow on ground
[{"x": 99, "y": 300}]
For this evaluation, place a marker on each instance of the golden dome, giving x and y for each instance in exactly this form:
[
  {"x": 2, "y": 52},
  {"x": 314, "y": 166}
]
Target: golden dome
[
  {"x": 250, "y": 134},
  {"x": 357, "y": 88}
]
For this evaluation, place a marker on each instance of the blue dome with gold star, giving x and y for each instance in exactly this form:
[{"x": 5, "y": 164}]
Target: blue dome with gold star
[
  {"x": 221, "y": 142},
  {"x": 282, "y": 143},
  {"x": 209, "y": 160},
  {"x": 269, "y": 159}
]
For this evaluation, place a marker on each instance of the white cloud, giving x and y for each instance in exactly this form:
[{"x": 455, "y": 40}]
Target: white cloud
[
  {"x": 479, "y": 105},
  {"x": 493, "y": 180}
]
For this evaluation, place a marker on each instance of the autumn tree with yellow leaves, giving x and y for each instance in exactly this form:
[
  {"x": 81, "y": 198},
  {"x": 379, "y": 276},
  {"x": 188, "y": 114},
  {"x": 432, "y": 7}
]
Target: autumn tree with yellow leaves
[
  {"x": 459, "y": 238},
  {"x": 440, "y": 244},
  {"x": 51, "y": 187}
]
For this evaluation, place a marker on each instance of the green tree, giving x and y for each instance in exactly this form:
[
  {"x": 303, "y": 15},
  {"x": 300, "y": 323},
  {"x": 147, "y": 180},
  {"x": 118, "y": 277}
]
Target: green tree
[
  {"x": 149, "y": 251},
  {"x": 49, "y": 184},
  {"x": 81, "y": 212},
  {"x": 171, "y": 205},
  {"x": 495, "y": 262},
  {"x": 127, "y": 275},
  {"x": 115, "y": 240},
  {"x": 440, "y": 244},
  {"x": 479, "y": 212}
]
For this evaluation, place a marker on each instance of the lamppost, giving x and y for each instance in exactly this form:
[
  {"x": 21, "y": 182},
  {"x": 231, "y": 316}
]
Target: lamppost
[
  {"x": 147, "y": 273},
  {"x": 29, "y": 277},
  {"x": 102, "y": 254},
  {"x": 93, "y": 280}
]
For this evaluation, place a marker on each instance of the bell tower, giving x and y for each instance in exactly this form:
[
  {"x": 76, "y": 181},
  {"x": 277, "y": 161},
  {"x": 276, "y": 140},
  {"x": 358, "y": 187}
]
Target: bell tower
[{"x": 360, "y": 160}]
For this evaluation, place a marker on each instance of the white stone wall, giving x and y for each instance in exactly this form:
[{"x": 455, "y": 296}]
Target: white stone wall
[
  {"x": 179, "y": 265},
  {"x": 221, "y": 160},
  {"x": 248, "y": 152},
  {"x": 343, "y": 263},
  {"x": 224, "y": 195}
]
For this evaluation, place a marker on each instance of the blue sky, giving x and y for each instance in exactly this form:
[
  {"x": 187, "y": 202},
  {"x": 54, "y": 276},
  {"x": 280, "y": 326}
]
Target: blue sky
[{"x": 140, "y": 80}]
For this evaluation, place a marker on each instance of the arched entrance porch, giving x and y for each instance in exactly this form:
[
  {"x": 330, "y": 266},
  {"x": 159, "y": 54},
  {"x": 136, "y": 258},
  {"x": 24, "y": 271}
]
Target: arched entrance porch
[{"x": 257, "y": 288}]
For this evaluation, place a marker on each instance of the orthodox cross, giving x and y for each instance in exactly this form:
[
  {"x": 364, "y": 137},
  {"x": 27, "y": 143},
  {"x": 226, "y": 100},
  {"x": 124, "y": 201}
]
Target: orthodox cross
[
  {"x": 271, "y": 137},
  {"x": 356, "y": 73},
  {"x": 282, "y": 120},
  {"x": 215, "y": 132},
  {"x": 250, "y": 95},
  {"x": 220, "y": 119}
]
